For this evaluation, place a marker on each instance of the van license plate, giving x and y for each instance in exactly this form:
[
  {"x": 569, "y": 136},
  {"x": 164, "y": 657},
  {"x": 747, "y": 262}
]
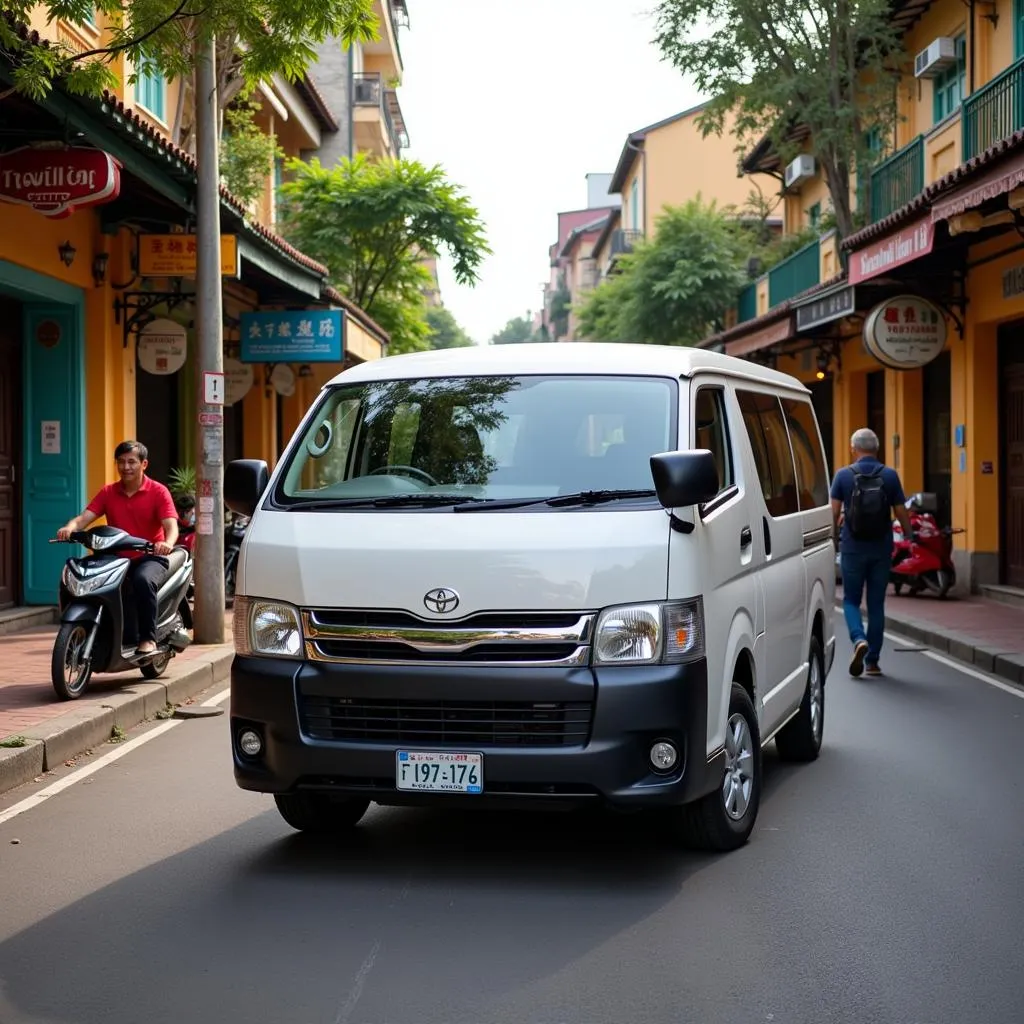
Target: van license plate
[{"x": 426, "y": 771}]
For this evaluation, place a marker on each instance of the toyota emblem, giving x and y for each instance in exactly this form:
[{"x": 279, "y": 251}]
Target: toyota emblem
[{"x": 441, "y": 600}]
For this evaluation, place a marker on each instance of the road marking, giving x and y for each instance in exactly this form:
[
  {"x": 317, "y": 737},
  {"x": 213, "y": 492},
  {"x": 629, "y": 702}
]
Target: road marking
[
  {"x": 109, "y": 758},
  {"x": 959, "y": 666},
  {"x": 356, "y": 991}
]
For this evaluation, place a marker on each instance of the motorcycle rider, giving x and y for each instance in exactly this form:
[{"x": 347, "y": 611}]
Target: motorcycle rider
[{"x": 142, "y": 507}]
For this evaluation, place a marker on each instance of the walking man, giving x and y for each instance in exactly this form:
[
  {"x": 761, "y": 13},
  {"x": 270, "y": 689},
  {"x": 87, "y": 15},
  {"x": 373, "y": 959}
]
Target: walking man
[{"x": 866, "y": 494}]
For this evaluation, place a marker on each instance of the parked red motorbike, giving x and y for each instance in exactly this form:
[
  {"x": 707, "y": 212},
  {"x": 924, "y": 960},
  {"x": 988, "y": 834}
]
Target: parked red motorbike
[{"x": 924, "y": 561}]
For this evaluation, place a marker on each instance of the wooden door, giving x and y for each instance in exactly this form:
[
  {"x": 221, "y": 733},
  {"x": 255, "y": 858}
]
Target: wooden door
[
  {"x": 1012, "y": 416},
  {"x": 10, "y": 452}
]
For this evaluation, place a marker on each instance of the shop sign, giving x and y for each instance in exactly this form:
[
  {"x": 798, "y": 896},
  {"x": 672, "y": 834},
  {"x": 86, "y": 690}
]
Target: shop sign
[
  {"x": 162, "y": 347},
  {"x": 293, "y": 336},
  {"x": 905, "y": 332},
  {"x": 55, "y": 182},
  {"x": 1013, "y": 282},
  {"x": 238, "y": 380},
  {"x": 48, "y": 333},
  {"x": 175, "y": 255},
  {"x": 283, "y": 380},
  {"x": 893, "y": 251},
  {"x": 824, "y": 310}
]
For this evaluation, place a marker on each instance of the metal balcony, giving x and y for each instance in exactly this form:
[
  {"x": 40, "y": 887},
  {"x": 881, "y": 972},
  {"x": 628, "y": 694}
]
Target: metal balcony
[
  {"x": 795, "y": 274},
  {"x": 994, "y": 112},
  {"x": 623, "y": 241},
  {"x": 368, "y": 91},
  {"x": 896, "y": 180}
]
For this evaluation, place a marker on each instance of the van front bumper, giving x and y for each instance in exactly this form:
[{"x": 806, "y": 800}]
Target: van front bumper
[{"x": 303, "y": 712}]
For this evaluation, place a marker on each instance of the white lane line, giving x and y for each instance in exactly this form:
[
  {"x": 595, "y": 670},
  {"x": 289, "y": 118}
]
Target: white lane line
[
  {"x": 358, "y": 984},
  {"x": 109, "y": 758},
  {"x": 958, "y": 666}
]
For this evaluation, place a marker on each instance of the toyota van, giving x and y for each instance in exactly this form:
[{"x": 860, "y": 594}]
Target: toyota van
[{"x": 520, "y": 575}]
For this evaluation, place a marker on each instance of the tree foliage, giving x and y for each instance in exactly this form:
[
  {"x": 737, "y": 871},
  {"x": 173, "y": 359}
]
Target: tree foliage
[
  {"x": 675, "y": 288},
  {"x": 517, "y": 331},
  {"x": 831, "y": 66},
  {"x": 247, "y": 153},
  {"x": 445, "y": 330},
  {"x": 371, "y": 222}
]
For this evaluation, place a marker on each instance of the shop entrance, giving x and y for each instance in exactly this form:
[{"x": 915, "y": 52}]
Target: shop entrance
[
  {"x": 10, "y": 451},
  {"x": 156, "y": 421},
  {"x": 1011, "y": 428},
  {"x": 822, "y": 397},
  {"x": 876, "y": 409},
  {"x": 938, "y": 439}
]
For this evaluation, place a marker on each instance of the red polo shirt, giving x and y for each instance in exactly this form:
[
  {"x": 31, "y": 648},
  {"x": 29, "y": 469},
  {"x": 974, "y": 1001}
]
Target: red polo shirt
[{"x": 140, "y": 514}]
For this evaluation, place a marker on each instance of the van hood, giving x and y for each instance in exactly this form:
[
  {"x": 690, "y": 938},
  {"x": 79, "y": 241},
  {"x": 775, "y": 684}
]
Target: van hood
[{"x": 543, "y": 561}]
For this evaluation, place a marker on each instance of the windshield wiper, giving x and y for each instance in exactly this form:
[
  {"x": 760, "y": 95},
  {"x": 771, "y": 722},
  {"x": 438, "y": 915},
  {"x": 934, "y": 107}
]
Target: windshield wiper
[
  {"x": 384, "y": 501},
  {"x": 560, "y": 501}
]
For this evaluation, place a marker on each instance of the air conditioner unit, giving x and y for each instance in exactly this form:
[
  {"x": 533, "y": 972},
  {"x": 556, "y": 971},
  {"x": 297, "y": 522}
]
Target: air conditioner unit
[
  {"x": 935, "y": 58},
  {"x": 800, "y": 170}
]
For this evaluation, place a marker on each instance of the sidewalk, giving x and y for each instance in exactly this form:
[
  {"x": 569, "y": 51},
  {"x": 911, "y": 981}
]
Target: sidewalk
[
  {"x": 987, "y": 634},
  {"x": 57, "y": 730}
]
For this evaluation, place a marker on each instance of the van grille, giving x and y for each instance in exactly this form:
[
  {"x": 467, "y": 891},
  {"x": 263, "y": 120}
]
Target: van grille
[
  {"x": 446, "y": 723},
  {"x": 491, "y": 638}
]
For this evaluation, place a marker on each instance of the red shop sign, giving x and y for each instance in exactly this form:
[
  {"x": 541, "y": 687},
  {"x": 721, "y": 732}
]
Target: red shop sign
[
  {"x": 892, "y": 251},
  {"x": 56, "y": 181}
]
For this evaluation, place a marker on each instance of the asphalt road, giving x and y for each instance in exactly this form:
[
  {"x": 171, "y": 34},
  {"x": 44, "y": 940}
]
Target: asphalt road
[{"x": 884, "y": 883}]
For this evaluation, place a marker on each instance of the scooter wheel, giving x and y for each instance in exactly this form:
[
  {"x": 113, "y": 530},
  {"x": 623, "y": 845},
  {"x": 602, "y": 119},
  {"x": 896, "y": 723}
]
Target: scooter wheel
[
  {"x": 68, "y": 672},
  {"x": 157, "y": 667}
]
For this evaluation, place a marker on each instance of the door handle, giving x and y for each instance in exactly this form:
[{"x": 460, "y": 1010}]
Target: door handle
[
  {"x": 767, "y": 536},
  {"x": 746, "y": 537}
]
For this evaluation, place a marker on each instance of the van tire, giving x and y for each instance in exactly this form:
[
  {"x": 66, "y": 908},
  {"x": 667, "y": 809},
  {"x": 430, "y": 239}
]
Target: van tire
[
  {"x": 705, "y": 823},
  {"x": 320, "y": 813},
  {"x": 800, "y": 739}
]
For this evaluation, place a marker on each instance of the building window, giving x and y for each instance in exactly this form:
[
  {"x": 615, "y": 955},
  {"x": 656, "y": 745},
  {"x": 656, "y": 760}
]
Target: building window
[
  {"x": 151, "y": 90},
  {"x": 90, "y": 17},
  {"x": 634, "y": 205},
  {"x": 814, "y": 216},
  {"x": 949, "y": 86}
]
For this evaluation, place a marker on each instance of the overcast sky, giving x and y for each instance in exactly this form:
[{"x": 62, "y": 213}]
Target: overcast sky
[{"x": 518, "y": 100}]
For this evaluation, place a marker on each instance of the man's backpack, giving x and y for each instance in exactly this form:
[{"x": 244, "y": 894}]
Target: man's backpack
[{"x": 869, "y": 515}]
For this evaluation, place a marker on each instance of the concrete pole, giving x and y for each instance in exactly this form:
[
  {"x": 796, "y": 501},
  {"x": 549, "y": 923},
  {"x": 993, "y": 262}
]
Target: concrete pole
[{"x": 209, "y": 567}]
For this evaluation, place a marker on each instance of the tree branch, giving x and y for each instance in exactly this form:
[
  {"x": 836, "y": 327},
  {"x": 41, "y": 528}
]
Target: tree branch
[{"x": 111, "y": 51}]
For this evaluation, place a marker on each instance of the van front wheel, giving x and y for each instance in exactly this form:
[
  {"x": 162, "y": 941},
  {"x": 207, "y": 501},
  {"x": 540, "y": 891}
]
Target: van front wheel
[
  {"x": 724, "y": 819},
  {"x": 320, "y": 813}
]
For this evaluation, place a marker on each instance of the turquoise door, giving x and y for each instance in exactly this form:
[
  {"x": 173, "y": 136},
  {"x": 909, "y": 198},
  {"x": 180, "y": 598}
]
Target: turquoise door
[{"x": 54, "y": 441}]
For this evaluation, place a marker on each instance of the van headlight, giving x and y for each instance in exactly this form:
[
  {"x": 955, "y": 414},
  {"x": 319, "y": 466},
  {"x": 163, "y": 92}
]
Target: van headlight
[
  {"x": 658, "y": 633},
  {"x": 268, "y": 628}
]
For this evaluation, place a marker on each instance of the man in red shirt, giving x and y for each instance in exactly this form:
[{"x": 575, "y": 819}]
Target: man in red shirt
[{"x": 143, "y": 508}]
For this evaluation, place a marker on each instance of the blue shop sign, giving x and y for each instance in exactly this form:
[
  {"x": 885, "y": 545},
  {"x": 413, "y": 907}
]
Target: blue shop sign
[{"x": 293, "y": 336}]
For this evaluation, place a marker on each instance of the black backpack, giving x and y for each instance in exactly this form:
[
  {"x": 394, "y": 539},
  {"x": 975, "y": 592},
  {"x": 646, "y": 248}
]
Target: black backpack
[{"x": 869, "y": 515}]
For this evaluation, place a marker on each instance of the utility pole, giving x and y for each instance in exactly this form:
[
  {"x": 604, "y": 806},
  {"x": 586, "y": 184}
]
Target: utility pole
[{"x": 209, "y": 564}]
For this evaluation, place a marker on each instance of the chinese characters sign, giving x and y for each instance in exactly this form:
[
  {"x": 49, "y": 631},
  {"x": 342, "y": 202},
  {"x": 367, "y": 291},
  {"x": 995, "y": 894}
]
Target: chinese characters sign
[
  {"x": 893, "y": 251},
  {"x": 293, "y": 336},
  {"x": 56, "y": 181},
  {"x": 905, "y": 332},
  {"x": 175, "y": 255}
]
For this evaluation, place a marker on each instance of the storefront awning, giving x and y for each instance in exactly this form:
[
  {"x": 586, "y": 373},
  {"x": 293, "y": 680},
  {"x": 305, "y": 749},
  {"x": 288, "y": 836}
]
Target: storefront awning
[{"x": 996, "y": 183}]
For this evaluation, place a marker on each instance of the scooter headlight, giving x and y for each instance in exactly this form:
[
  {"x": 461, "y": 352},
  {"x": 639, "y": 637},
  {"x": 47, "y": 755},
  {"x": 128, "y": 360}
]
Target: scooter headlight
[{"x": 80, "y": 586}]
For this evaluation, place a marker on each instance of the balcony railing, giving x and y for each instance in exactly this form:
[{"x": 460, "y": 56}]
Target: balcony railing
[
  {"x": 746, "y": 306},
  {"x": 896, "y": 180},
  {"x": 368, "y": 91},
  {"x": 994, "y": 112},
  {"x": 794, "y": 274},
  {"x": 623, "y": 240}
]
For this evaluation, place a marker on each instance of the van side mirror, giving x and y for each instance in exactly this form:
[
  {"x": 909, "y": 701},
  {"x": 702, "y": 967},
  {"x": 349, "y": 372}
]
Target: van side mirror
[
  {"x": 682, "y": 479},
  {"x": 245, "y": 480}
]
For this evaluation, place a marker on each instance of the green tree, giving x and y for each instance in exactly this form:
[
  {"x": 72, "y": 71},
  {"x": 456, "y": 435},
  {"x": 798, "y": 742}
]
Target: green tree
[
  {"x": 675, "y": 288},
  {"x": 830, "y": 66},
  {"x": 370, "y": 222},
  {"x": 516, "y": 332},
  {"x": 445, "y": 330},
  {"x": 246, "y": 153}
]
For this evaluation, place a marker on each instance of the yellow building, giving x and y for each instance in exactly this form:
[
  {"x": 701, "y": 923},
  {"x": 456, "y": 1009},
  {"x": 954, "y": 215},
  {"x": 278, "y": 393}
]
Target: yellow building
[
  {"x": 97, "y": 306},
  {"x": 921, "y": 335}
]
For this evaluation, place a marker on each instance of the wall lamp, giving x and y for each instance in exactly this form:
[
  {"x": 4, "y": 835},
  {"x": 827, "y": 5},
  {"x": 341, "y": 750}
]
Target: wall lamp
[
  {"x": 99, "y": 268},
  {"x": 67, "y": 253}
]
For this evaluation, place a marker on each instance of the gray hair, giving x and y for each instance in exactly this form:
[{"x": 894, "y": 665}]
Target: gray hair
[{"x": 864, "y": 440}]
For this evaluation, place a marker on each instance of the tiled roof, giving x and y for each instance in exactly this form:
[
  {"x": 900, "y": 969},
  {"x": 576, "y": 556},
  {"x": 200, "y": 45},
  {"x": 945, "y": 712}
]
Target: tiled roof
[
  {"x": 333, "y": 295},
  {"x": 923, "y": 200},
  {"x": 116, "y": 111}
]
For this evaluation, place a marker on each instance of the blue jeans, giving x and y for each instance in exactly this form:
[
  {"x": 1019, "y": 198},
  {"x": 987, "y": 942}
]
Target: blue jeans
[{"x": 870, "y": 572}]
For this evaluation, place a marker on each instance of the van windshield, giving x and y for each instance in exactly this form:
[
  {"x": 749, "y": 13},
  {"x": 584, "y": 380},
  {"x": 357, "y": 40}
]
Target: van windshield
[{"x": 480, "y": 440}]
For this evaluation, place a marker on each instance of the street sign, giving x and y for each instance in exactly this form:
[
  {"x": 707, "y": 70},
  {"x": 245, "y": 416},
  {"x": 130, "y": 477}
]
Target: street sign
[
  {"x": 175, "y": 255},
  {"x": 213, "y": 388},
  {"x": 824, "y": 310},
  {"x": 293, "y": 336}
]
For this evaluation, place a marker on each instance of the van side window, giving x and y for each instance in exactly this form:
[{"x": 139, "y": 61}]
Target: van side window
[
  {"x": 811, "y": 469},
  {"x": 769, "y": 440},
  {"x": 711, "y": 431}
]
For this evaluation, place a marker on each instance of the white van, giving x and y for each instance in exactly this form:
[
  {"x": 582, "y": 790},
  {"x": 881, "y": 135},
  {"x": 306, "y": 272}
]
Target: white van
[{"x": 558, "y": 574}]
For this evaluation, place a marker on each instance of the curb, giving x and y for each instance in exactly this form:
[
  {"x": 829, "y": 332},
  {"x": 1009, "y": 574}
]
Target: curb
[
  {"x": 58, "y": 739},
  {"x": 1008, "y": 665}
]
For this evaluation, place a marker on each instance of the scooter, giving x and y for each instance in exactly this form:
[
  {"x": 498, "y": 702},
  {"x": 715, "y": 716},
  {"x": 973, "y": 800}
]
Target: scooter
[
  {"x": 234, "y": 534},
  {"x": 92, "y": 612},
  {"x": 924, "y": 561}
]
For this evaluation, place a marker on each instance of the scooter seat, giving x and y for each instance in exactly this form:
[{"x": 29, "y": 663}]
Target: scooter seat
[{"x": 176, "y": 559}]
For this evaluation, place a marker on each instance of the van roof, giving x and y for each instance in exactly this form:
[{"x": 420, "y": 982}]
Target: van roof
[{"x": 561, "y": 358}]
